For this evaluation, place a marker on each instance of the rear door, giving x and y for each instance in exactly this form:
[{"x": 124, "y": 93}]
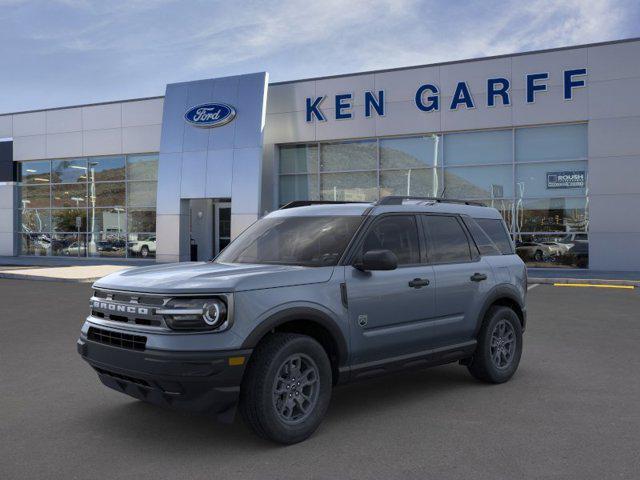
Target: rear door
[
  {"x": 462, "y": 277},
  {"x": 390, "y": 311}
]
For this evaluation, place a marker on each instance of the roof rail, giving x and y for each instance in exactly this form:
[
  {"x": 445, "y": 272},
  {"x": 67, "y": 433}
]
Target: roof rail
[
  {"x": 306, "y": 203},
  {"x": 399, "y": 199}
]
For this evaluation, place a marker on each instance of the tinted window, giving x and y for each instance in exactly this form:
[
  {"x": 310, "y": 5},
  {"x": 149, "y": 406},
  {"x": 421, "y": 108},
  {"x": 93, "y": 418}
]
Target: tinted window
[
  {"x": 304, "y": 241},
  {"x": 496, "y": 231},
  {"x": 447, "y": 241},
  {"x": 398, "y": 234},
  {"x": 483, "y": 242}
]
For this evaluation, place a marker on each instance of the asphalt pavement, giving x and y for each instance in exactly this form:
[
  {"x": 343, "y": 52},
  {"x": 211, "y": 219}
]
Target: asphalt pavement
[{"x": 571, "y": 412}]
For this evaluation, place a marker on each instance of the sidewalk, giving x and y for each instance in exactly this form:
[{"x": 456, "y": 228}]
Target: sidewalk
[
  {"x": 77, "y": 273},
  {"x": 583, "y": 276}
]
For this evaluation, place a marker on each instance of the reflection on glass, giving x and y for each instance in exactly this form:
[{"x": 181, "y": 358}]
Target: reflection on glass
[
  {"x": 552, "y": 215},
  {"x": 38, "y": 244},
  {"x": 345, "y": 156},
  {"x": 108, "y": 194},
  {"x": 411, "y": 152},
  {"x": 64, "y": 220},
  {"x": 298, "y": 187},
  {"x": 69, "y": 195},
  {"x": 423, "y": 182},
  {"x": 548, "y": 179},
  {"x": 475, "y": 148},
  {"x": 107, "y": 220},
  {"x": 142, "y": 245},
  {"x": 105, "y": 244},
  {"x": 554, "y": 250},
  {"x": 105, "y": 169},
  {"x": 558, "y": 142},
  {"x": 298, "y": 159},
  {"x": 142, "y": 194},
  {"x": 352, "y": 187},
  {"x": 34, "y": 196},
  {"x": 479, "y": 182},
  {"x": 142, "y": 167},
  {"x": 142, "y": 220},
  {"x": 69, "y": 171},
  {"x": 34, "y": 172},
  {"x": 35, "y": 220},
  {"x": 68, "y": 245},
  {"x": 503, "y": 205}
]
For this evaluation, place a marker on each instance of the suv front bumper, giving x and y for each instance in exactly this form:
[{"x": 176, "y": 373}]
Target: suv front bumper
[{"x": 196, "y": 381}]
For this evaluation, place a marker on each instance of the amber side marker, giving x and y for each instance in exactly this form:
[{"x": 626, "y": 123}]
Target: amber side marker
[
  {"x": 236, "y": 361},
  {"x": 626, "y": 287}
]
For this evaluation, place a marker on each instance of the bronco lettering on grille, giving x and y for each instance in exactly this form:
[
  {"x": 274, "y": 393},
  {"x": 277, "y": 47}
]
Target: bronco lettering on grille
[{"x": 119, "y": 308}]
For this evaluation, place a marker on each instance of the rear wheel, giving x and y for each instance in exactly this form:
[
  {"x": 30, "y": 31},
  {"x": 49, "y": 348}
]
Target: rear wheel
[
  {"x": 144, "y": 251},
  {"x": 499, "y": 346},
  {"x": 286, "y": 390}
]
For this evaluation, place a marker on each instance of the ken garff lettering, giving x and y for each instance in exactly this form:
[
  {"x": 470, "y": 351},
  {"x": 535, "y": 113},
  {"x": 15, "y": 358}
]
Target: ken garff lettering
[
  {"x": 210, "y": 115},
  {"x": 427, "y": 96}
]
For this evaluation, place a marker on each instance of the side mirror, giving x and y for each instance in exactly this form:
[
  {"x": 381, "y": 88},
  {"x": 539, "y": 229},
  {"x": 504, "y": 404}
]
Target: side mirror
[{"x": 377, "y": 260}]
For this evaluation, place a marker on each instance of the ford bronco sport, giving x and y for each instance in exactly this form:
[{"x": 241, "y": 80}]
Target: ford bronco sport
[{"x": 311, "y": 296}]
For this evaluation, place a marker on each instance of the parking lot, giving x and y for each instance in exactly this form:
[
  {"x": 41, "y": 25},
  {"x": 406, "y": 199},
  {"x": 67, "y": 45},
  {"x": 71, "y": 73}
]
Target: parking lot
[{"x": 571, "y": 411}]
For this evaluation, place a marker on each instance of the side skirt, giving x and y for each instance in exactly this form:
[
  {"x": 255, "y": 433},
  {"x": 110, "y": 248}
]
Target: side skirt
[{"x": 423, "y": 359}]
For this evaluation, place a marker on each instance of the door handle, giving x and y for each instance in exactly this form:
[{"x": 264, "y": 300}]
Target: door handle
[
  {"x": 478, "y": 277},
  {"x": 418, "y": 282}
]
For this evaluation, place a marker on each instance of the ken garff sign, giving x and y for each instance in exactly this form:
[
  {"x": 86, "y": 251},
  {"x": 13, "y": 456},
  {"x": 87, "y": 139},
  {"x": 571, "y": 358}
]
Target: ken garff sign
[
  {"x": 210, "y": 115},
  {"x": 567, "y": 179},
  {"x": 427, "y": 96}
]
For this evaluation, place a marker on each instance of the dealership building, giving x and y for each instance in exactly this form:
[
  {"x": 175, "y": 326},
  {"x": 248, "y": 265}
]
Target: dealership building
[{"x": 550, "y": 138}]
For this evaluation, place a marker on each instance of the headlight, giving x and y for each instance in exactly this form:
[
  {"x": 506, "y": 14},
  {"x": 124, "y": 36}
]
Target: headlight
[{"x": 195, "y": 314}]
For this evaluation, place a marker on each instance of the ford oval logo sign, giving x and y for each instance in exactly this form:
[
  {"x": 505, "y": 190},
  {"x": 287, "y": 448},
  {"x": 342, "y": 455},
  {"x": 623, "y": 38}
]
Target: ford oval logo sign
[{"x": 210, "y": 115}]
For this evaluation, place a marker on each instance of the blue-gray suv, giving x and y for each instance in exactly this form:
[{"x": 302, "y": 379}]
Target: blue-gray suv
[{"x": 311, "y": 296}]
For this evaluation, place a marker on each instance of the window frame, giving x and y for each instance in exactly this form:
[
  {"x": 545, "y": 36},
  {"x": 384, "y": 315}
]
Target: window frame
[
  {"x": 474, "y": 253},
  {"x": 353, "y": 250}
]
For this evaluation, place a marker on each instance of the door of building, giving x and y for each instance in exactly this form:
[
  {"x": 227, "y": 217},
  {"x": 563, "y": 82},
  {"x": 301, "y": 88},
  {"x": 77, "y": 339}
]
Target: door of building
[{"x": 222, "y": 226}]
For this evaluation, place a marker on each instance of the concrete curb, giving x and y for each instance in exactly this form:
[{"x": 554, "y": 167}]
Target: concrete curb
[
  {"x": 18, "y": 276},
  {"x": 588, "y": 281}
]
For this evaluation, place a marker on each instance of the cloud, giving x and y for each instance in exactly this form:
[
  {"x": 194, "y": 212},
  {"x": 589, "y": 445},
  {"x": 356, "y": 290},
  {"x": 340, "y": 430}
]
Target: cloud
[{"x": 92, "y": 50}]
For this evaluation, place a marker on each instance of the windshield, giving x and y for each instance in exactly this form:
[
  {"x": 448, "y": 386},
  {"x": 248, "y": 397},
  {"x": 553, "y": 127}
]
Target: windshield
[{"x": 317, "y": 241}]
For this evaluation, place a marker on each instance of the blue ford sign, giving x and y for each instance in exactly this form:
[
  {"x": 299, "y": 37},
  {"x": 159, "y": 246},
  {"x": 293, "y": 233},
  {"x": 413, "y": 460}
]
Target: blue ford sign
[{"x": 210, "y": 115}]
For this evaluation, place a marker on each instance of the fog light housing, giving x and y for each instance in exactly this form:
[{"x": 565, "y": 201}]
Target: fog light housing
[{"x": 195, "y": 314}]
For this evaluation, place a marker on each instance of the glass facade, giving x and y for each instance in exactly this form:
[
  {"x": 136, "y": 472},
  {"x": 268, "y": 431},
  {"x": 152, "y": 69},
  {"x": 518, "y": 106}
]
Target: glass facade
[
  {"x": 88, "y": 207},
  {"x": 535, "y": 176}
]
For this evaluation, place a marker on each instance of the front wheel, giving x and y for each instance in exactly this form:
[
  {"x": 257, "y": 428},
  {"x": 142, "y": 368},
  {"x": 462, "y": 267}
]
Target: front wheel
[
  {"x": 286, "y": 390},
  {"x": 499, "y": 346}
]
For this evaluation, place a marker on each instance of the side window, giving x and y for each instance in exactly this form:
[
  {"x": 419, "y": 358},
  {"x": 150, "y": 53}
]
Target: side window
[
  {"x": 447, "y": 241},
  {"x": 497, "y": 232},
  {"x": 483, "y": 242},
  {"x": 398, "y": 233}
]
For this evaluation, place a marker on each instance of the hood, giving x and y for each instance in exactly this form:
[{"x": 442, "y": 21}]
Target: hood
[{"x": 209, "y": 277}]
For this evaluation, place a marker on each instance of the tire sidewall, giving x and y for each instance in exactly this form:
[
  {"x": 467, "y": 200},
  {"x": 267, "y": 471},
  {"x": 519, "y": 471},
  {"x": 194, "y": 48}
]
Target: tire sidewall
[
  {"x": 496, "y": 374},
  {"x": 271, "y": 422}
]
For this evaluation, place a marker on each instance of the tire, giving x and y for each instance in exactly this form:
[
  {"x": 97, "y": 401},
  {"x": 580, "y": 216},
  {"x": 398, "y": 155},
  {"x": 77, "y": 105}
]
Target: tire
[
  {"x": 538, "y": 256},
  {"x": 488, "y": 363},
  {"x": 268, "y": 372},
  {"x": 144, "y": 251}
]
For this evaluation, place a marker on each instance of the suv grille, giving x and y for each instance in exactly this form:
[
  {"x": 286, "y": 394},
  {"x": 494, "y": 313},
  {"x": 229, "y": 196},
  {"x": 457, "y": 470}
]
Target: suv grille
[
  {"x": 117, "y": 339},
  {"x": 128, "y": 308}
]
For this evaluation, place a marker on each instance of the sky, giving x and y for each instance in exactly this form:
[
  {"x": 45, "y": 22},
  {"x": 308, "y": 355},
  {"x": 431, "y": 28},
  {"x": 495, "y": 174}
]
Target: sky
[{"x": 69, "y": 52}]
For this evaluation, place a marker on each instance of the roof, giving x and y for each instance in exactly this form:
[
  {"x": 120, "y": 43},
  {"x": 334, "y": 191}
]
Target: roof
[{"x": 356, "y": 209}]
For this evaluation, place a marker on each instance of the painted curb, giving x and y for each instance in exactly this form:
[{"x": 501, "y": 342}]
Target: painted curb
[
  {"x": 18, "y": 276},
  {"x": 588, "y": 281}
]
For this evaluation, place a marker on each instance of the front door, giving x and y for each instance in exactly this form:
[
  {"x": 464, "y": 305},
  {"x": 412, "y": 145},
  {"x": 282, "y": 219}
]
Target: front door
[
  {"x": 390, "y": 312},
  {"x": 222, "y": 228}
]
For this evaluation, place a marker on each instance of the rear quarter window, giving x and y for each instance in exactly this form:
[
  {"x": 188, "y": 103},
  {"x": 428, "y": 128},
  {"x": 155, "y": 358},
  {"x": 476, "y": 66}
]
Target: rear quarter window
[{"x": 497, "y": 232}]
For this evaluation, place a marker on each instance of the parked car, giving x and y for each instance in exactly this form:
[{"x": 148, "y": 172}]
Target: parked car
[
  {"x": 309, "y": 297},
  {"x": 143, "y": 247},
  {"x": 538, "y": 252}
]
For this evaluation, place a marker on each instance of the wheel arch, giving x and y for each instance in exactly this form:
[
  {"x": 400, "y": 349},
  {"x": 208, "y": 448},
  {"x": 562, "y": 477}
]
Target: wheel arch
[
  {"x": 307, "y": 321},
  {"x": 507, "y": 296}
]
